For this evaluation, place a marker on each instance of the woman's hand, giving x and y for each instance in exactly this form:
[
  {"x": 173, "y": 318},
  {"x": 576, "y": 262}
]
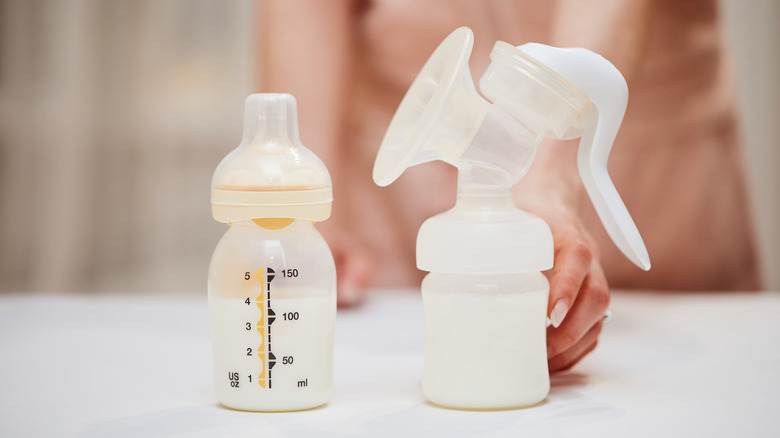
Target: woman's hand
[
  {"x": 579, "y": 295},
  {"x": 354, "y": 267}
]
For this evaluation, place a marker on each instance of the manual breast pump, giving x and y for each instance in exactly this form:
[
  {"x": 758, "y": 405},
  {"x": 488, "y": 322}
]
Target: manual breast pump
[
  {"x": 272, "y": 279},
  {"x": 485, "y": 298}
]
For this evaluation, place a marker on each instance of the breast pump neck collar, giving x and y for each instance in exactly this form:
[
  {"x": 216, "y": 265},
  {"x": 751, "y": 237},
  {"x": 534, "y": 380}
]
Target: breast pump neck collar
[{"x": 493, "y": 144}]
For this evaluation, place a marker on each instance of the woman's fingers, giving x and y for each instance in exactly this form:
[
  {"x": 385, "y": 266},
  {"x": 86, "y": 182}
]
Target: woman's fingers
[
  {"x": 354, "y": 268},
  {"x": 570, "y": 357},
  {"x": 592, "y": 302},
  {"x": 572, "y": 263}
]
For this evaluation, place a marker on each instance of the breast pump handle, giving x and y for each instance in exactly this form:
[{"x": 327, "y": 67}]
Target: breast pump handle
[{"x": 605, "y": 86}]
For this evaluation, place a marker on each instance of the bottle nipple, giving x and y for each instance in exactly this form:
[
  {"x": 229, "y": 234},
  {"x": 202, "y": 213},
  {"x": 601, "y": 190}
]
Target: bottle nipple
[{"x": 270, "y": 119}]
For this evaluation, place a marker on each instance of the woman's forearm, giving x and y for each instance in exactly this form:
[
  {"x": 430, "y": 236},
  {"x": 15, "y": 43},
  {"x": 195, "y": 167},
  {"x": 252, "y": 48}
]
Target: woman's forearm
[
  {"x": 616, "y": 29},
  {"x": 306, "y": 50}
]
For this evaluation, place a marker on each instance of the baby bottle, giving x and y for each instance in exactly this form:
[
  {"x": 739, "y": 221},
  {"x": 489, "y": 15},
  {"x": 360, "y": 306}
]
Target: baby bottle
[
  {"x": 272, "y": 279},
  {"x": 485, "y": 297}
]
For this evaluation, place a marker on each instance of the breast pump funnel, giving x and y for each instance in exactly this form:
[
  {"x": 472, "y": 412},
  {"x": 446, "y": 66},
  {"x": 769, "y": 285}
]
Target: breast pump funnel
[{"x": 439, "y": 115}]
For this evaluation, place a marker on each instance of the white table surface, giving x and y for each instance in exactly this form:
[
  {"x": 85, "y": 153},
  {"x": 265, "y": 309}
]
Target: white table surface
[{"x": 123, "y": 366}]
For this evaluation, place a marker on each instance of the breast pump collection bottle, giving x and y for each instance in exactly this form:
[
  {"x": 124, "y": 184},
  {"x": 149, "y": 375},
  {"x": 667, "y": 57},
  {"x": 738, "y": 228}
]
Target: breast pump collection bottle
[
  {"x": 485, "y": 298},
  {"x": 272, "y": 279}
]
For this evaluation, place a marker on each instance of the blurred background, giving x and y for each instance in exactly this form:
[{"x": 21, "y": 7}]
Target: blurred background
[{"x": 114, "y": 114}]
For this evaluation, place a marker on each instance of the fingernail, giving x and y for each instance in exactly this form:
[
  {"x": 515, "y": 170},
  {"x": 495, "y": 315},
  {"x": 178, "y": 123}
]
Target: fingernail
[{"x": 559, "y": 312}]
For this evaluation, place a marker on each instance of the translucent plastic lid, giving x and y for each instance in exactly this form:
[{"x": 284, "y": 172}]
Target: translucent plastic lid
[{"x": 271, "y": 174}]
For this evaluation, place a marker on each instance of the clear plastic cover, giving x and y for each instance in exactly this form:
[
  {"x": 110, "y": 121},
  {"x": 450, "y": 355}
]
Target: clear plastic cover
[{"x": 271, "y": 174}]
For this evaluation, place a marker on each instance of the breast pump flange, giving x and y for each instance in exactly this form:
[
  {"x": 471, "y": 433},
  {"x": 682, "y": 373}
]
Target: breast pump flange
[{"x": 485, "y": 298}]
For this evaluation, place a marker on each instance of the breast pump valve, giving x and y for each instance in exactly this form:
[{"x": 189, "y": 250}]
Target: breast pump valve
[
  {"x": 272, "y": 279},
  {"x": 485, "y": 298}
]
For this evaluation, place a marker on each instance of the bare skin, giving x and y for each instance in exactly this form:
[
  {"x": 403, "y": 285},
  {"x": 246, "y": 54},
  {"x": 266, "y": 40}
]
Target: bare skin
[{"x": 675, "y": 161}]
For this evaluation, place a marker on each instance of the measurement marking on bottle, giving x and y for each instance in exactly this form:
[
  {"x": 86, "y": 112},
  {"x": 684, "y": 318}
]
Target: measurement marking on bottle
[{"x": 264, "y": 276}]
